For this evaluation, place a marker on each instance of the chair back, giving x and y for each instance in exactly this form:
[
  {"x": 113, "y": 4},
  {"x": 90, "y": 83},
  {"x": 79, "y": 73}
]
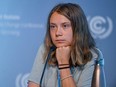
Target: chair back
[{"x": 98, "y": 79}]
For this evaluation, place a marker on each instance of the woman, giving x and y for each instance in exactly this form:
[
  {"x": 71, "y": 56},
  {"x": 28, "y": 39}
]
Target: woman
[{"x": 72, "y": 63}]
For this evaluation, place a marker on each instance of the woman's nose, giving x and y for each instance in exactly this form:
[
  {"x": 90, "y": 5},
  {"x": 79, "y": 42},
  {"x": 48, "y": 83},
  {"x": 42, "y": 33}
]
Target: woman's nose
[{"x": 59, "y": 32}]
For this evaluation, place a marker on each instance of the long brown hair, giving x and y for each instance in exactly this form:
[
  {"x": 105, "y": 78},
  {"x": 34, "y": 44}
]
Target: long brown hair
[{"x": 83, "y": 41}]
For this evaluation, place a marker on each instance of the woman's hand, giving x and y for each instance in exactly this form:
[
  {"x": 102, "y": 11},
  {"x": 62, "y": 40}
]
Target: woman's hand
[
  {"x": 32, "y": 84},
  {"x": 63, "y": 54}
]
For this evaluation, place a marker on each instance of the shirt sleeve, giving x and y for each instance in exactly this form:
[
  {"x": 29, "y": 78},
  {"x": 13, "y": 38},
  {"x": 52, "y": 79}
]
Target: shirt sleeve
[
  {"x": 38, "y": 65},
  {"x": 86, "y": 75}
]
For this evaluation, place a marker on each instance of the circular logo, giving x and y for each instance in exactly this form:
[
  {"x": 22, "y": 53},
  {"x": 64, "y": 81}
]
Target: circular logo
[
  {"x": 21, "y": 80},
  {"x": 100, "y": 27}
]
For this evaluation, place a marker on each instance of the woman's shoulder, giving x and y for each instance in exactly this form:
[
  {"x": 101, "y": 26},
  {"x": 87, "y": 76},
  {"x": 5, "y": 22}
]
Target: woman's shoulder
[
  {"x": 40, "y": 52},
  {"x": 41, "y": 48}
]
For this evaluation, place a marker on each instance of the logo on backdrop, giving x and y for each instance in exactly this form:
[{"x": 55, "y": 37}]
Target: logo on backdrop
[
  {"x": 21, "y": 80},
  {"x": 101, "y": 27}
]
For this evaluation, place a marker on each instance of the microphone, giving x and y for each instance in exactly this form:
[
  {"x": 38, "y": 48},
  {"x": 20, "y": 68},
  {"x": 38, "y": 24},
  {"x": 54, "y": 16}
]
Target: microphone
[{"x": 52, "y": 48}]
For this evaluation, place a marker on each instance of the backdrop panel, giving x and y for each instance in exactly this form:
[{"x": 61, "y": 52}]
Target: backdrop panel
[{"x": 22, "y": 30}]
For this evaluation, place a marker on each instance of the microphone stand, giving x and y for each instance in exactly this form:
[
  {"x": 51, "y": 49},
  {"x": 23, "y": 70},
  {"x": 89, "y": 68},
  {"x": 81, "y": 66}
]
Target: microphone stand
[{"x": 51, "y": 50}]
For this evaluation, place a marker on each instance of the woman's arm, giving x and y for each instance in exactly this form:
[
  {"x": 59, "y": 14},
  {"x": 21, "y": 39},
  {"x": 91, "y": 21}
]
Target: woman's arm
[
  {"x": 63, "y": 57},
  {"x": 32, "y": 84},
  {"x": 66, "y": 78}
]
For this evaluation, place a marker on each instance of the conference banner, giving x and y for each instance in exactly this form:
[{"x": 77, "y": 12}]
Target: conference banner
[{"x": 23, "y": 27}]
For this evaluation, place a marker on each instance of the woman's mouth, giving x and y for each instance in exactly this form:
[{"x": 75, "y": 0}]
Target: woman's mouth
[{"x": 60, "y": 41}]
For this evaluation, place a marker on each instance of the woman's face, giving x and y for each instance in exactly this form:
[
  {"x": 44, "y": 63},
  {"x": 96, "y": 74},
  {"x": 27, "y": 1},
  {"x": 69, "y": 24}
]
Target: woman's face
[{"x": 60, "y": 30}]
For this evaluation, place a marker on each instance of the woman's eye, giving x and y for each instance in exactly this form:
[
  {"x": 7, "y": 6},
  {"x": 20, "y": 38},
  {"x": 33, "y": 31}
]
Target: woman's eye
[
  {"x": 52, "y": 26},
  {"x": 66, "y": 25}
]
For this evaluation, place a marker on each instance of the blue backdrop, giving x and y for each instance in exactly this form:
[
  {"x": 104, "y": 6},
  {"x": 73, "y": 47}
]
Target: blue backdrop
[{"x": 22, "y": 30}]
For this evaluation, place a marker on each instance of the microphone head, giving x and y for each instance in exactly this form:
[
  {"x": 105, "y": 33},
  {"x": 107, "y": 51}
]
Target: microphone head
[{"x": 52, "y": 48}]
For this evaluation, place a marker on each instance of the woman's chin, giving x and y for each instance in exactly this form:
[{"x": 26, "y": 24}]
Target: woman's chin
[{"x": 60, "y": 45}]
